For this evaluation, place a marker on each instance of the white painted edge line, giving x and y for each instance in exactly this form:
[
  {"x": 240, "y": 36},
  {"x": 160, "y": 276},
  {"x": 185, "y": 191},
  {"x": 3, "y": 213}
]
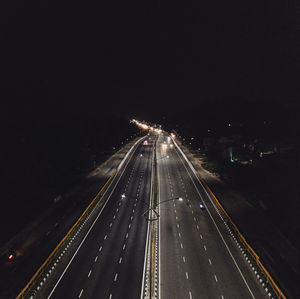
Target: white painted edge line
[
  {"x": 68, "y": 265},
  {"x": 128, "y": 153},
  {"x": 220, "y": 234},
  {"x": 159, "y": 258},
  {"x": 147, "y": 238}
]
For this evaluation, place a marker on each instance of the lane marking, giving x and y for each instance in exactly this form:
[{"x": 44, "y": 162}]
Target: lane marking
[
  {"x": 105, "y": 237},
  {"x": 179, "y": 235},
  {"x": 183, "y": 259},
  {"x": 204, "y": 247},
  {"x": 110, "y": 296},
  {"x": 100, "y": 248},
  {"x": 90, "y": 273},
  {"x": 200, "y": 236},
  {"x": 190, "y": 295},
  {"x": 80, "y": 293},
  {"x": 116, "y": 276},
  {"x": 198, "y": 227},
  {"x": 216, "y": 278},
  {"x": 220, "y": 234},
  {"x": 110, "y": 224},
  {"x": 124, "y": 246},
  {"x": 186, "y": 275},
  {"x": 209, "y": 261},
  {"x": 120, "y": 260},
  {"x": 181, "y": 245},
  {"x": 96, "y": 258}
]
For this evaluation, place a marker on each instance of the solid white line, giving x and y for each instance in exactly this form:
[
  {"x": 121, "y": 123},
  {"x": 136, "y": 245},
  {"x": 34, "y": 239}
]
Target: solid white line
[
  {"x": 220, "y": 234},
  {"x": 88, "y": 232},
  {"x": 80, "y": 293}
]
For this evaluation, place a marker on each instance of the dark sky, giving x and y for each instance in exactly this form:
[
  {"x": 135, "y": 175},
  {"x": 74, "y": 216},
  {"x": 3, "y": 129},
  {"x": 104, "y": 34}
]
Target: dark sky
[{"x": 144, "y": 59}]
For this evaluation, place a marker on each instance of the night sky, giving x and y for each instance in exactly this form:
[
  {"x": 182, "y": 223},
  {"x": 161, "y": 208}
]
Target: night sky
[
  {"x": 144, "y": 59},
  {"x": 72, "y": 72}
]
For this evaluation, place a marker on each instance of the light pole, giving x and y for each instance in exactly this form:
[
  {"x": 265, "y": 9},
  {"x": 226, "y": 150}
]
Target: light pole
[{"x": 153, "y": 209}]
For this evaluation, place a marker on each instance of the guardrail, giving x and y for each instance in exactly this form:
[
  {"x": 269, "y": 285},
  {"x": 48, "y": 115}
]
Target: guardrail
[
  {"x": 251, "y": 256},
  {"x": 41, "y": 275}
]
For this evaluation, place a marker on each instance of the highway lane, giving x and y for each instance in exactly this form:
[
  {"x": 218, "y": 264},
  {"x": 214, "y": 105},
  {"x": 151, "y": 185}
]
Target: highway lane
[
  {"x": 110, "y": 261},
  {"x": 197, "y": 257}
]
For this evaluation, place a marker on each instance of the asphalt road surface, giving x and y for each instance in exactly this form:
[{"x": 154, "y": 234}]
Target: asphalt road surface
[
  {"x": 110, "y": 261},
  {"x": 198, "y": 259}
]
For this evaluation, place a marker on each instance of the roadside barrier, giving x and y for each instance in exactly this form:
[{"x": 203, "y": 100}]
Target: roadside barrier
[
  {"x": 41, "y": 275},
  {"x": 251, "y": 256}
]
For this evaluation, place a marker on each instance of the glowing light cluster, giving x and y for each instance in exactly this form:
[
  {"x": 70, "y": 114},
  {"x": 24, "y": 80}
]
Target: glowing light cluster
[{"x": 144, "y": 126}]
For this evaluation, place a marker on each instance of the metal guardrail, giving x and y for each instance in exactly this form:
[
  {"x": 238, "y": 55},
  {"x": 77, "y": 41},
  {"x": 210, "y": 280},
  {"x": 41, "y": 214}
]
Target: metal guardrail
[
  {"x": 41, "y": 275},
  {"x": 261, "y": 272}
]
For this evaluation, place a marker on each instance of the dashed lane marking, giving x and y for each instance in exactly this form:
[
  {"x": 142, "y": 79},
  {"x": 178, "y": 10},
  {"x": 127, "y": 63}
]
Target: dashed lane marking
[{"x": 216, "y": 278}]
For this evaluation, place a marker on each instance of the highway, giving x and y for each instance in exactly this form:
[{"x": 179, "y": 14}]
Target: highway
[
  {"x": 197, "y": 257},
  {"x": 109, "y": 260}
]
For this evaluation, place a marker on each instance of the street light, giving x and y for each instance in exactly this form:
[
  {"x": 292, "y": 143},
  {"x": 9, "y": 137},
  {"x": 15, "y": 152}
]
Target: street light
[{"x": 153, "y": 209}]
